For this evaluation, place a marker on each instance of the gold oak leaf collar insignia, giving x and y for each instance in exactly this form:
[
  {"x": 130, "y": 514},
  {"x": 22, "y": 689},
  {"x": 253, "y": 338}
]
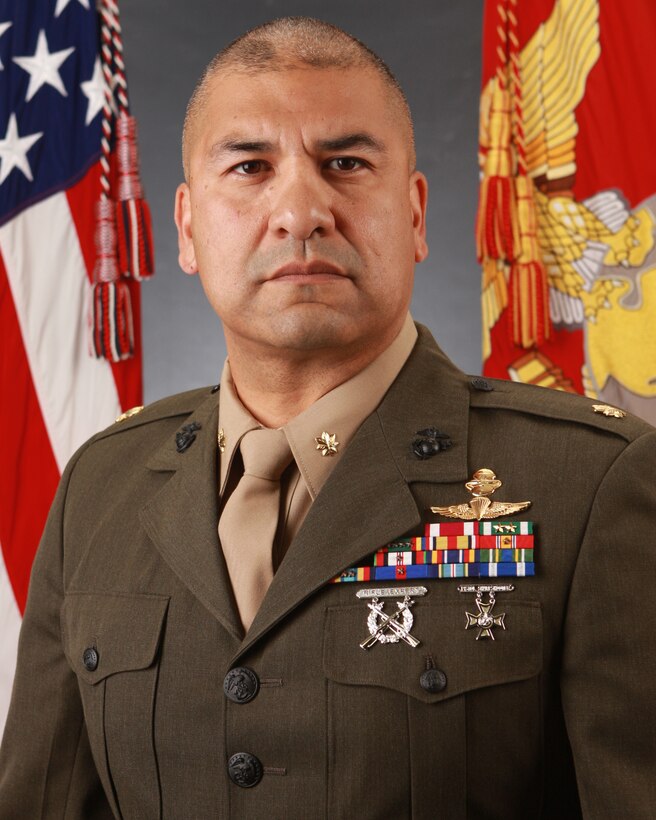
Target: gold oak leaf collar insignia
[
  {"x": 483, "y": 483},
  {"x": 327, "y": 443}
]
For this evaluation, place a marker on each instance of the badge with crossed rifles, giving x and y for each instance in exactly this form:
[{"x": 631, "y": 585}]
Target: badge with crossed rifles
[{"x": 395, "y": 627}]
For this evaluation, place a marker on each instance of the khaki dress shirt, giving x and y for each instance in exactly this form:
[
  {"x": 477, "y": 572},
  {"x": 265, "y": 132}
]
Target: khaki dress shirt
[{"x": 340, "y": 412}]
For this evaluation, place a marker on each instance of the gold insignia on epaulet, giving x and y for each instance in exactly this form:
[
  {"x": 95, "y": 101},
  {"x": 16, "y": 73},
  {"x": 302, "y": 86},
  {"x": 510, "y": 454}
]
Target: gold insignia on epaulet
[
  {"x": 609, "y": 410},
  {"x": 128, "y": 413}
]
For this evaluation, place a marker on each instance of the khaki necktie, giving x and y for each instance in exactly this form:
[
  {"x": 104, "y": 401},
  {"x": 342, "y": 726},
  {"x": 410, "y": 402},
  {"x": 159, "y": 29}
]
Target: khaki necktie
[{"x": 249, "y": 520}]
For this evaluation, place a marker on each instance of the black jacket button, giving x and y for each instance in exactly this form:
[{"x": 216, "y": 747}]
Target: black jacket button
[
  {"x": 244, "y": 770},
  {"x": 241, "y": 684},
  {"x": 479, "y": 383},
  {"x": 90, "y": 659},
  {"x": 432, "y": 680}
]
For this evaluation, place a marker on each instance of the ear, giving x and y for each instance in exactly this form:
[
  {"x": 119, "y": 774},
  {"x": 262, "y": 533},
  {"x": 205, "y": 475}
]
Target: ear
[
  {"x": 182, "y": 216},
  {"x": 418, "y": 204}
]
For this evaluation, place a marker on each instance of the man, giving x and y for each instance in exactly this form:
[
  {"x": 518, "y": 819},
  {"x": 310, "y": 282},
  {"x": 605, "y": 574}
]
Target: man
[{"x": 170, "y": 669}]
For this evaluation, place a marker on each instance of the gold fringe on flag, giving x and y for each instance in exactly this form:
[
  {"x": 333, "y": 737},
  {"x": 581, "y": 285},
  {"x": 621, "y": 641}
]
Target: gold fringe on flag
[
  {"x": 495, "y": 211},
  {"x": 506, "y": 226}
]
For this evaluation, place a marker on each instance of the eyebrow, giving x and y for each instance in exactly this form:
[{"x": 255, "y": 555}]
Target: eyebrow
[
  {"x": 347, "y": 142},
  {"x": 238, "y": 146}
]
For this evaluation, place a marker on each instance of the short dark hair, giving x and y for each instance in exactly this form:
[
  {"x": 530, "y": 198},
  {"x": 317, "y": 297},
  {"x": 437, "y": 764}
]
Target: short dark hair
[{"x": 283, "y": 44}]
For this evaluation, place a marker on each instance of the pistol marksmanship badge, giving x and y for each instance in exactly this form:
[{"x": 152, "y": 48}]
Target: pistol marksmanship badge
[
  {"x": 395, "y": 626},
  {"x": 485, "y": 620},
  {"x": 483, "y": 483}
]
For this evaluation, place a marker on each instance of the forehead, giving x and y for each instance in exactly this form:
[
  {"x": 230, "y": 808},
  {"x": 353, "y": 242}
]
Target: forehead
[{"x": 317, "y": 101}]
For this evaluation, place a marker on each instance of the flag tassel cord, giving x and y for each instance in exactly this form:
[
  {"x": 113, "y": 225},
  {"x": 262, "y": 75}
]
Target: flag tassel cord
[
  {"x": 506, "y": 228},
  {"x": 124, "y": 244}
]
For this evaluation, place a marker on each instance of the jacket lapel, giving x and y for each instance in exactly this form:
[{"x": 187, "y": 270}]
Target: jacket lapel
[
  {"x": 367, "y": 501},
  {"x": 181, "y": 519}
]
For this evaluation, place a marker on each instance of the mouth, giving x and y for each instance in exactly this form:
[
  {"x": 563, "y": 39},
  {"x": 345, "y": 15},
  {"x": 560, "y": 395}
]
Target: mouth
[{"x": 304, "y": 273}]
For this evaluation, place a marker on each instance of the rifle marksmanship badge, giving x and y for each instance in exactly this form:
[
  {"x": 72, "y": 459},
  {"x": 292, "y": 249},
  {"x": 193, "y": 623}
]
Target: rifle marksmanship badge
[{"x": 390, "y": 627}]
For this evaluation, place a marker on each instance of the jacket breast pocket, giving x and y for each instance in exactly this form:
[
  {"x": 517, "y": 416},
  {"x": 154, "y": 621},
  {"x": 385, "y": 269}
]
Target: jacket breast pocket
[
  {"x": 112, "y": 643},
  {"x": 429, "y": 725}
]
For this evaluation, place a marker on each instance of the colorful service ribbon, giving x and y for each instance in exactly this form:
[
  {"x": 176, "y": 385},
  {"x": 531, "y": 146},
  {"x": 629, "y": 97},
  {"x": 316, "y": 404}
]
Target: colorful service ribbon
[{"x": 462, "y": 549}]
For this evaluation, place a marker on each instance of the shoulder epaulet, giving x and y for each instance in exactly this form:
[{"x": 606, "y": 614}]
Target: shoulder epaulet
[
  {"x": 180, "y": 404},
  {"x": 498, "y": 394}
]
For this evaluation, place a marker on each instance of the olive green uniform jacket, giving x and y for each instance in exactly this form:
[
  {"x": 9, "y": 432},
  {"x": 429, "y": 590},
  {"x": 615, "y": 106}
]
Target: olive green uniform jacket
[{"x": 555, "y": 718}]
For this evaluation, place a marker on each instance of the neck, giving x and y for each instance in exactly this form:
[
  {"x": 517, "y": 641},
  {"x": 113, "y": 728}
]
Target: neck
[{"x": 276, "y": 385}]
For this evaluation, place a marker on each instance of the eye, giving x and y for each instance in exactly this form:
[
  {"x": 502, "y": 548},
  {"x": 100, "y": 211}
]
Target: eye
[
  {"x": 345, "y": 164},
  {"x": 250, "y": 168}
]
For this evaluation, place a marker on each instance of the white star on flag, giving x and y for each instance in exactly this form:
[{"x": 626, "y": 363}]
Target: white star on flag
[
  {"x": 94, "y": 91},
  {"x": 61, "y": 5},
  {"x": 13, "y": 150},
  {"x": 43, "y": 67},
  {"x": 3, "y": 28}
]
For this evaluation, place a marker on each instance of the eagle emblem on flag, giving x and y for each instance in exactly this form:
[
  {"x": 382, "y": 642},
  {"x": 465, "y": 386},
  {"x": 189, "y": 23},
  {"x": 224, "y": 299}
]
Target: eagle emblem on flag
[{"x": 553, "y": 261}]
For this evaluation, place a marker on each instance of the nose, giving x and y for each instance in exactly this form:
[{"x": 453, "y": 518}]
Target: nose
[{"x": 301, "y": 204}]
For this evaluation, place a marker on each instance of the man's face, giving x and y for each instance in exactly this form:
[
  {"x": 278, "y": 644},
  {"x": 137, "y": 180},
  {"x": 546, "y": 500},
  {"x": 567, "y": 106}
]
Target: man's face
[{"x": 302, "y": 214}]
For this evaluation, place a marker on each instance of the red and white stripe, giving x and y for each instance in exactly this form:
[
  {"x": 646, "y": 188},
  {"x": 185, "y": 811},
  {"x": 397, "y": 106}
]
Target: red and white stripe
[
  {"x": 48, "y": 283},
  {"x": 53, "y": 394}
]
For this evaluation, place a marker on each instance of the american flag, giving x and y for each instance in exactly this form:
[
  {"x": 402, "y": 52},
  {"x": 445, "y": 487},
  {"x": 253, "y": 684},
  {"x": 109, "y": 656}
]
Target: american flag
[{"x": 53, "y": 393}]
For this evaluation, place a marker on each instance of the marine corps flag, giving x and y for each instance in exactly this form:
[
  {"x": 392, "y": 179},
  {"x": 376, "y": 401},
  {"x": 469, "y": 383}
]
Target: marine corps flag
[
  {"x": 74, "y": 238},
  {"x": 566, "y": 227}
]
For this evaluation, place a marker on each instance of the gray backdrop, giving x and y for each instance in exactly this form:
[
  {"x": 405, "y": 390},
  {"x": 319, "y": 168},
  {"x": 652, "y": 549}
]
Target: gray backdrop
[{"x": 433, "y": 47}]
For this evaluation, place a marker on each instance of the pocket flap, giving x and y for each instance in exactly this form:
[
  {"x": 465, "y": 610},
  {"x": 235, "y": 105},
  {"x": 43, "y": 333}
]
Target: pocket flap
[
  {"x": 514, "y": 654},
  {"x": 123, "y": 631}
]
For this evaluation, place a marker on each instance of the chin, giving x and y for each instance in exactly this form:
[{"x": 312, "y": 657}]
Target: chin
[{"x": 315, "y": 332}]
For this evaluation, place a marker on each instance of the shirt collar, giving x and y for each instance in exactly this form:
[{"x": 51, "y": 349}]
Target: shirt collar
[
  {"x": 234, "y": 422},
  {"x": 340, "y": 413}
]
